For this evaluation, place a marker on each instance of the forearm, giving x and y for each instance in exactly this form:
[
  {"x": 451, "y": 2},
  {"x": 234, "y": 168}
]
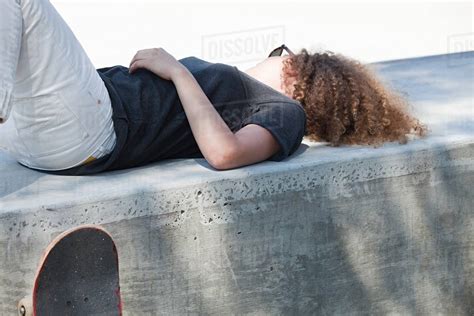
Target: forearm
[{"x": 214, "y": 138}]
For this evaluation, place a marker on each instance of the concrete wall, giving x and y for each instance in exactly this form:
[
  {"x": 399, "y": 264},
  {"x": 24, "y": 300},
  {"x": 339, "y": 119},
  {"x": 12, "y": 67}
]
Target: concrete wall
[{"x": 348, "y": 230}]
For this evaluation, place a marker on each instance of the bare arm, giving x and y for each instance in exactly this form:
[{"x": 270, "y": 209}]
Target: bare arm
[
  {"x": 219, "y": 145},
  {"x": 215, "y": 139}
]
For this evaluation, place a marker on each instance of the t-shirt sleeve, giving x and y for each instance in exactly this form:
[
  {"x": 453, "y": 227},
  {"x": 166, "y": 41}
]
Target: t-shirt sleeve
[{"x": 286, "y": 121}]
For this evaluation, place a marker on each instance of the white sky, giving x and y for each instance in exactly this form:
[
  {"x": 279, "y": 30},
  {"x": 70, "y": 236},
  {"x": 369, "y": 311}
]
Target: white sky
[{"x": 112, "y": 31}]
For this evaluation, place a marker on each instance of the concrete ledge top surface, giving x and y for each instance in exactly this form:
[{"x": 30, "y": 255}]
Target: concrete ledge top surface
[{"x": 440, "y": 91}]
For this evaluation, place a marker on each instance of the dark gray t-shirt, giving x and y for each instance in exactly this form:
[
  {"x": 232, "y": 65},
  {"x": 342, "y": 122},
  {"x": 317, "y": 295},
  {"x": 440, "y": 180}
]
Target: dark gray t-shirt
[
  {"x": 151, "y": 125},
  {"x": 281, "y": 115}
]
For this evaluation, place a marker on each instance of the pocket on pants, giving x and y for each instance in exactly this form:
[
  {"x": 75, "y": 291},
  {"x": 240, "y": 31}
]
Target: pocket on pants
[{"x": 46, "y": 126}]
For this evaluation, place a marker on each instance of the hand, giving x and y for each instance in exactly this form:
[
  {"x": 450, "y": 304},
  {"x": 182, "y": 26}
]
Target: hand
[{"x": 158, "y": 61}]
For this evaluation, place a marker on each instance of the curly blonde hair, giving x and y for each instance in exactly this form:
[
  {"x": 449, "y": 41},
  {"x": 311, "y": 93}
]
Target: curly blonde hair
[{"x": 345, "y": 102}]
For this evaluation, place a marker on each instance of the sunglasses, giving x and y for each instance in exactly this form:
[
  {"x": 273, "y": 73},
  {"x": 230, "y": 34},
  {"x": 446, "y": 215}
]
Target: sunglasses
[{"x": 279, "y": 50}]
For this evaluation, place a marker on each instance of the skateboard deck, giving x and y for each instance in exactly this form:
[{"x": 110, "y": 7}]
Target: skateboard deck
[{"x": 77, "y": 275}]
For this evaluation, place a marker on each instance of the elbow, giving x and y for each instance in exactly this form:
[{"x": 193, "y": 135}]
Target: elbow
[{"x": 224, "y": 160}]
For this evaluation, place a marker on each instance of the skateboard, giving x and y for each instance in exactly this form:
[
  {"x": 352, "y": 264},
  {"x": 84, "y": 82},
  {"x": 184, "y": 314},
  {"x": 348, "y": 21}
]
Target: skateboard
[{"x": 78, "y": 275}]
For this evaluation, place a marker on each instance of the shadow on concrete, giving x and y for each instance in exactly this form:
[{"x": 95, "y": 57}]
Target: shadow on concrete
[
  {"x": 414, "y": 263},
  {"x": 15, "y": 177}
]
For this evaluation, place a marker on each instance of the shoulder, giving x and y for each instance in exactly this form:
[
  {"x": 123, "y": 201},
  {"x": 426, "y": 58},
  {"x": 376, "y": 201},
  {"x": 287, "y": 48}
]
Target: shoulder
[
  {"x": 285, "y": 120},
  {"x": 259, "y": 92},
  {"x": 109, "y": 71},
  {"x": 290, "y": 108},
  {"x": 194, "y": 61},
  {"x": 195, "y": 64}
]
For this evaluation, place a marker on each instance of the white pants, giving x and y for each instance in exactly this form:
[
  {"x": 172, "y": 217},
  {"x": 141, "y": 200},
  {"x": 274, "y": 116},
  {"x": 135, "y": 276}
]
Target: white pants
[{"x": 58, "y": 102}]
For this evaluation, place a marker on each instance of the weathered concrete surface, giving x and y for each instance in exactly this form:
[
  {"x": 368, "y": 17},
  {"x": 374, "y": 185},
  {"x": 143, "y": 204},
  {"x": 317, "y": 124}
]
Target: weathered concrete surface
[{"x": 349, "y": 230}]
